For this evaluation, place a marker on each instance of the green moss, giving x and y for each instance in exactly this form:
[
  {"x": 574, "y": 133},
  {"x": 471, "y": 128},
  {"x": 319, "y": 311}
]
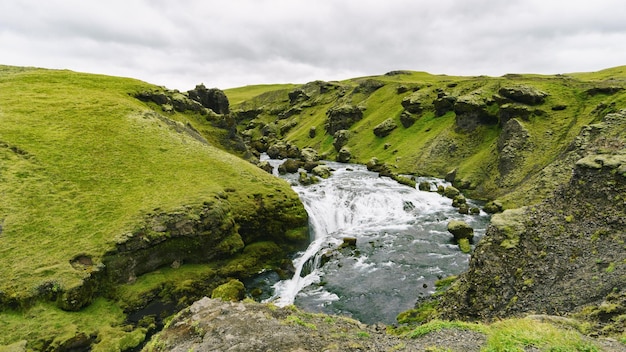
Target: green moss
[
  {"x": 464, "y": 245},
  {"x": 233, "y": 290},
  {"x": 418, "y": 315}
]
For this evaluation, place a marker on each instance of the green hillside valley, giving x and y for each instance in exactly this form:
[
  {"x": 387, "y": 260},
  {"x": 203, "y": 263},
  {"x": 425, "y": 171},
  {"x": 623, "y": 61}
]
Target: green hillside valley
[{"x": 122, "y": 203}]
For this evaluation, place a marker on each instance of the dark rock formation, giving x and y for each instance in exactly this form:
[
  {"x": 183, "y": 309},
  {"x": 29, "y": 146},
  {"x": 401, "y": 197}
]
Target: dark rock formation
[
  {"x": 472, "y": 110},
  {"x": 443, "y": 103},
  {"x": 512, "y": 143},
  {"x": 368, "y": 86},
  {"x": 213, "y": 99},
  {"x": 424, "y": 186},
  {"x": 282, "y": 150},
  {"x": 523, "y": 94},
  {"x": 297, "y": 96},
  {"x": 342, "y": 117},
  {"x": 384, "y": 128},
  {"x": 290, "y": 166},
  {"x": 341, "y": 138},
  {"x": 511, "y": 110},
  {"x": 407, "y": 119},
  {"x": 344, "y": 155},
  {"x": 266, "y": 166},
  {"x": 413, "y": 103},
  {"x": 607, "y": 90},
  {"x": 375, "y": 165}
]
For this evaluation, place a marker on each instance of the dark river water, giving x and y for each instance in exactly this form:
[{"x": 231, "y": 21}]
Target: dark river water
[{"x": 402, "y": 246}]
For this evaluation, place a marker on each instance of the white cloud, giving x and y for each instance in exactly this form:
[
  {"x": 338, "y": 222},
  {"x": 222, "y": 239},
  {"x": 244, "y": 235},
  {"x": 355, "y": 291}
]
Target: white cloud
[{"x": 234, "y": 43}]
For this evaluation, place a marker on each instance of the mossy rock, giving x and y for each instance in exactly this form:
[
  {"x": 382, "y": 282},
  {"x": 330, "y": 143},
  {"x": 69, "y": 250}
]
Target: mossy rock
[
  {"x": 233, "y": 290},
  {"x": 322, "y": 171},
  {"x": 464, "y": 245},
  {"x": 451, "y": 192},
  {"x": 459, "y": 200},
  {"x": 493, "y": 207},
  {"x": 424, "y": 186},
  {"x": 460, "y": 229},
  {"x": 384, "y": 128}
]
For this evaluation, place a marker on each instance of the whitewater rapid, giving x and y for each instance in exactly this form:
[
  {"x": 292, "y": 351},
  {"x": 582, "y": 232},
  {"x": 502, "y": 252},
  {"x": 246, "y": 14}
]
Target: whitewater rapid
[{"x": 402, "y": 245}]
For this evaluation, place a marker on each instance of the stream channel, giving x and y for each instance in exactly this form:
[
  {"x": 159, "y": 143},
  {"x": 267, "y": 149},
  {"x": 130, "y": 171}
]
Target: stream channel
[{"x": 402, "y": 247}]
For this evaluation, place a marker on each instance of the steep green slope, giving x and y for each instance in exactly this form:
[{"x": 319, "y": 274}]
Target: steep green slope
[
  {"x": 98, "y": 188},
  {"x": 442, "y": 123}
]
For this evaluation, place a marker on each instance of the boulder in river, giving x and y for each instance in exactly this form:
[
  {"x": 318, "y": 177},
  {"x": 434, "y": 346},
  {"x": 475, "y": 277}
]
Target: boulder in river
[
  {"x": 322, "y": 171},
  {"x": 460, "y": 229}
]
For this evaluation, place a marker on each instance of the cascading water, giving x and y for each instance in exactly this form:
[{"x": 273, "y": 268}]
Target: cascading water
[{"x": 402, "y": 245}]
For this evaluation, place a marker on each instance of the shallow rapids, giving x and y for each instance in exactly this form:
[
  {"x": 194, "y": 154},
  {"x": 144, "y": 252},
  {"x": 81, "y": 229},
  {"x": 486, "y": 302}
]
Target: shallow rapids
[{"x": 402, "y": 247}]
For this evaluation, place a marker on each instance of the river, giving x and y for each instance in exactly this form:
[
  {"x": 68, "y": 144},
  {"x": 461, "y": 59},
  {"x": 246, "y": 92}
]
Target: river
[{"x": 402, "y": 247}]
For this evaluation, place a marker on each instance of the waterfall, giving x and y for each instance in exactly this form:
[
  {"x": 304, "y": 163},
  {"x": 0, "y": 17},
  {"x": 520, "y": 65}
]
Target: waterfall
[{"x": 401, "y": 240}]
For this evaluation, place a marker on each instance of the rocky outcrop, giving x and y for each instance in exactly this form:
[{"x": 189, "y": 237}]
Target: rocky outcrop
[
  {"x": 340, "y": 139},
  {"x": 512, "y": 143},
  {"x": 344, "y": 155},
  {"x": 413, "y": 103},
  {"x": 523, "y": 94},
  {"x": 384, "y": 128},
  {"x": 407, "y": 119},
  {"x": 290, "y": 166},
  {"x": 215, "y": 325},
  {"x": 509, "y": 111},
  {"x": 443, "y": 103},
  {"x": 472, "y": 110},
  {"x": 213, "y": 99},
  {"x": 283, "y": 150},
  {"x": 342, "y": 117},
  {"x": 554, "y": 258}
]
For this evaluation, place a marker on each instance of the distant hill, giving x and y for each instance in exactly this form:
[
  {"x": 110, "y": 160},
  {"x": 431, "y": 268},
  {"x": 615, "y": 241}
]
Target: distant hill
[{"x": 504, "y": 137}]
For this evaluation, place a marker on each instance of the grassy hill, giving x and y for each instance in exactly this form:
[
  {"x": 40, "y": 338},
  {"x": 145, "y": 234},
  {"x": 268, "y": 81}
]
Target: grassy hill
[
  {"x": 490, "y": 164},
  {"x": 86, "y": 171}
]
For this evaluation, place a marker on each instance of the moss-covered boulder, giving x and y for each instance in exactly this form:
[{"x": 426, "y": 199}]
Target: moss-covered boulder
[
  {"x": 309, "y": 155},
  {"x": 340, "y": 139},
  {"x": 290, "y": 166},
  {"x": 384, "y": 128},
  {"x": 413, "y": 103},
  {"x": 213, "y": 98},
  {"x": 460, "y": 229},
  {"x": 344, "y": 155},
  {"x": 283, "y": 150},
  {"x": 424, "y": 186},
  {"x": 407, "y": 119},
  {"x": 322, "y": 171},
  {"x": 451, "y": 192}
]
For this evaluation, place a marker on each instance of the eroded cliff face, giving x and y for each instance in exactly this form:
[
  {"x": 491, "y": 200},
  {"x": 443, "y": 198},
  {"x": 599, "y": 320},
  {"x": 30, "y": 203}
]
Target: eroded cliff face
[{"x": 564, "y": 255}]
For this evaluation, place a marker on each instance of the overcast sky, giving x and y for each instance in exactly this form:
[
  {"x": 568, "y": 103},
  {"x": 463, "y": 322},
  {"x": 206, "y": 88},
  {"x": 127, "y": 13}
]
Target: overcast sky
[{"x": 231, "y": 43}]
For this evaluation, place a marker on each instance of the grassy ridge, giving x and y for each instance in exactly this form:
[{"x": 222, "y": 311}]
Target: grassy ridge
[
  {"x": 82, "y": 162},
  {"x": 434, "y": 145}
]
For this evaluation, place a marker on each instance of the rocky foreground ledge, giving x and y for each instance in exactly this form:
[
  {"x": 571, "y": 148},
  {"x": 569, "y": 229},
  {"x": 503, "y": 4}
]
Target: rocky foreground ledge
[{"x": 215, "y": 325}]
